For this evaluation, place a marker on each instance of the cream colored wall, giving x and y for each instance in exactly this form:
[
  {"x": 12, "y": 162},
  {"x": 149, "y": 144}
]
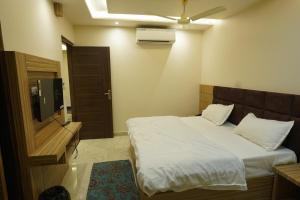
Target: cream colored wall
[
  {"x": 148, "y": 80},
  {"x": 31, "y": 27},
  {"x": 257, "y": 49}
]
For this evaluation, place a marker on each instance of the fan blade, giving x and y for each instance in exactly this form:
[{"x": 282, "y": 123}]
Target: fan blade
[
  {"x": 171, "y": 18},
  {"x": 208, "y": 12}
]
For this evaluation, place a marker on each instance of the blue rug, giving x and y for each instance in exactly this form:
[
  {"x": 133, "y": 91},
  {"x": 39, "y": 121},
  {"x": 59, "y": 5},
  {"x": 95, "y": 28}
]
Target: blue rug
[{"x": 112, "y": 181}]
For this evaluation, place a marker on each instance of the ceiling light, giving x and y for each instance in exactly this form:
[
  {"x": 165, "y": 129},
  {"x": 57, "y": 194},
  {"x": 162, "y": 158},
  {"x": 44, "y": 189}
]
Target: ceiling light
[{"x": 100, "y": 12}]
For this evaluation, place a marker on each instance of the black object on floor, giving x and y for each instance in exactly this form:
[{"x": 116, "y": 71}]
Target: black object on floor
[{"x": 55, "y": 193}]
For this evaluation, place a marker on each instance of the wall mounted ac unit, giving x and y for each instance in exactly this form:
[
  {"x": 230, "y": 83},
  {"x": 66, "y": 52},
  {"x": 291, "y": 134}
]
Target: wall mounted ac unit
[{"x": 155, "y": 36}]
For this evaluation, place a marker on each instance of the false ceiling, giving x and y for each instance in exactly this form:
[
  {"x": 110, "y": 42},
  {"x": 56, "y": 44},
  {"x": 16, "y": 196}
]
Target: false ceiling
[{"x": 78, "y": 13}]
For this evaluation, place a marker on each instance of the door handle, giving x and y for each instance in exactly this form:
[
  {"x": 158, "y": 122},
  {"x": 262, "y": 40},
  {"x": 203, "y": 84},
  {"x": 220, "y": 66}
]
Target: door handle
[{"x": 108, "y": 94}]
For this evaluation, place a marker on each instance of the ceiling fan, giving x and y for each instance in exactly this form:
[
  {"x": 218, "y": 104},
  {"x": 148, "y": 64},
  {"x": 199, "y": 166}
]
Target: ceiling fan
[{"x": 184, "y": 19}]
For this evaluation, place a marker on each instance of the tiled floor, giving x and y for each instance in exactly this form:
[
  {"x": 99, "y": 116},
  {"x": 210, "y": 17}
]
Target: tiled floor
[{"x": 92, "y": 151}]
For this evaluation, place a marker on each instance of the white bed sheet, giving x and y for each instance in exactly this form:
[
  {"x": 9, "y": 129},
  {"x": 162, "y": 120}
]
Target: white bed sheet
[
  {"x": 258, "y": 161},
  {"x": 170, "y": 155}
]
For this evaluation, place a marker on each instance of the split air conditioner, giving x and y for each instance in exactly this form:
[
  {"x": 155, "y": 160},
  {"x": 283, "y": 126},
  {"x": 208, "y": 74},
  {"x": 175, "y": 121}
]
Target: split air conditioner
[{"x": 155, "y": 36}]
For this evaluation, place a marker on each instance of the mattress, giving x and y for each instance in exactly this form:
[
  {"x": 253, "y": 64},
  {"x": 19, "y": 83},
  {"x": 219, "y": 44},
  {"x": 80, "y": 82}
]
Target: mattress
[
  {"x": 258, "y": 161},
  {"x": 169, "y": 154}
]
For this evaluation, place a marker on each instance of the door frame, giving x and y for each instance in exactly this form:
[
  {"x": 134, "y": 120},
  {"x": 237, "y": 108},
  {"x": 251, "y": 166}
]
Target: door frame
[{"x": 69, "y": 45}]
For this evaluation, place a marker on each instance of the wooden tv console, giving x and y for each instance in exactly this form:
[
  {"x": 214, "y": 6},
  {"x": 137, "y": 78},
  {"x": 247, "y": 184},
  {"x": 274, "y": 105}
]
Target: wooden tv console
[
  {"x": 59, "y": 147},
  {"x": 42, "y": 148}
]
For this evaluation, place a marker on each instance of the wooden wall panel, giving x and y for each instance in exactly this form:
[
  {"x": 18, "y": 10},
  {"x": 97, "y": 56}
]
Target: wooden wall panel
[
  {"x": 206, "y": 96},
  {"x": 25, "y": 100},
  {"x": 29, "y": 135},
  {"x": 16, "y": 119},
  {"x": 38, "y": 64},
  {"x": 3, "y": 189},
  {"x": 44, "y": 130},
  {"x": 47, "y": 176},
  {"x": 39, "y": 68}
]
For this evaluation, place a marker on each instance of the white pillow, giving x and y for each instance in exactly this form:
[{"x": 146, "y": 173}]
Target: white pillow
[
  {"x": 217, "y": 113},
  {"x": 267, "y": 133}
]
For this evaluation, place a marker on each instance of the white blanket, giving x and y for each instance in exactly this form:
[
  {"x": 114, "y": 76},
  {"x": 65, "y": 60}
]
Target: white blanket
[
  {"x": 171, "y": 156},
  {"x": 258, "y": 161}
]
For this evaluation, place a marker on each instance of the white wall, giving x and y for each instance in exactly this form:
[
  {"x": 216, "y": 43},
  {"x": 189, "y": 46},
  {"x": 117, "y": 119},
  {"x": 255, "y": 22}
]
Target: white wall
[
  {"x": 257, "y": 49},
  {"x": 31, "y": 27},
  {"x": 148, "y": 80}
]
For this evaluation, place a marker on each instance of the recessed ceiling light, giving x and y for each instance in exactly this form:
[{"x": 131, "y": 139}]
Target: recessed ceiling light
[
  {"x": 98, "y": 10},
  {"x": 116, "y": 23}
]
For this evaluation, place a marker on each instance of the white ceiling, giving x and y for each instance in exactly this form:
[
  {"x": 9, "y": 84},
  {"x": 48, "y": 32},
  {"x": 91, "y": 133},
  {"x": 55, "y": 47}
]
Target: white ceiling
[{"x": 77, "y": 12}]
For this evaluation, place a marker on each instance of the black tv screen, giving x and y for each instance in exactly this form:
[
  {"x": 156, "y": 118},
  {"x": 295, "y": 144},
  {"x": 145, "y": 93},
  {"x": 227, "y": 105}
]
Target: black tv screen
[{"x": 49, "y": 98}]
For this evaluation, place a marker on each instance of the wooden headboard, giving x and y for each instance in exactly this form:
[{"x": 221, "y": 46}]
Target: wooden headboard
[
  {"x": 206, "y": 96},
  {"x": 268, "y": 105}
]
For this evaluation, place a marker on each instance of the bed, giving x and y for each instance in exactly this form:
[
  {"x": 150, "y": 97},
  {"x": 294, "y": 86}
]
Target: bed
[{"x": 154, "y": 145}]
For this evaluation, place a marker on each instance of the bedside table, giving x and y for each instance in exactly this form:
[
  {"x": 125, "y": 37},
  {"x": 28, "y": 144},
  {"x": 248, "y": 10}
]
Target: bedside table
[{"x": 286, "y": 182}]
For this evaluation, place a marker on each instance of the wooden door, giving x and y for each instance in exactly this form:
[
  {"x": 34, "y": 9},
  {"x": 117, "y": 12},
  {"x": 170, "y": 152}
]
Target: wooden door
[{"x": 91, "y": 98}]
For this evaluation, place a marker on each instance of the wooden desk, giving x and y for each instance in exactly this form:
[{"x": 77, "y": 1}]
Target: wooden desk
[
  {"x": 286, "y": 182},
  {"x": 54, "y": 151}
]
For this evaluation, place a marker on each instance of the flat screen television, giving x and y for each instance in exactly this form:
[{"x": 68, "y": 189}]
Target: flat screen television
[{"x": 48, "y": 98}]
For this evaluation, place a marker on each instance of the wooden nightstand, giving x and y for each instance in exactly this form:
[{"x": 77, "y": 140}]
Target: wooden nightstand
[{"x": 286, "y": 182}]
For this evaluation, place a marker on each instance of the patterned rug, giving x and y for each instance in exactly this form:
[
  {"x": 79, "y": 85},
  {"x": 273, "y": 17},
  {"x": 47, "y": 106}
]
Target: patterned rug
[{"x": 112, "y": 181}]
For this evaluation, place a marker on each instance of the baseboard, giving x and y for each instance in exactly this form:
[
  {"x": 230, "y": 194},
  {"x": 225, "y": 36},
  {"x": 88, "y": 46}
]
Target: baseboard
[{"x": 120, "y": 133}]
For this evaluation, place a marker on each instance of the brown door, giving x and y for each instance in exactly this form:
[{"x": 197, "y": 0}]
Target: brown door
[{"x": 91, "y": 91}]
